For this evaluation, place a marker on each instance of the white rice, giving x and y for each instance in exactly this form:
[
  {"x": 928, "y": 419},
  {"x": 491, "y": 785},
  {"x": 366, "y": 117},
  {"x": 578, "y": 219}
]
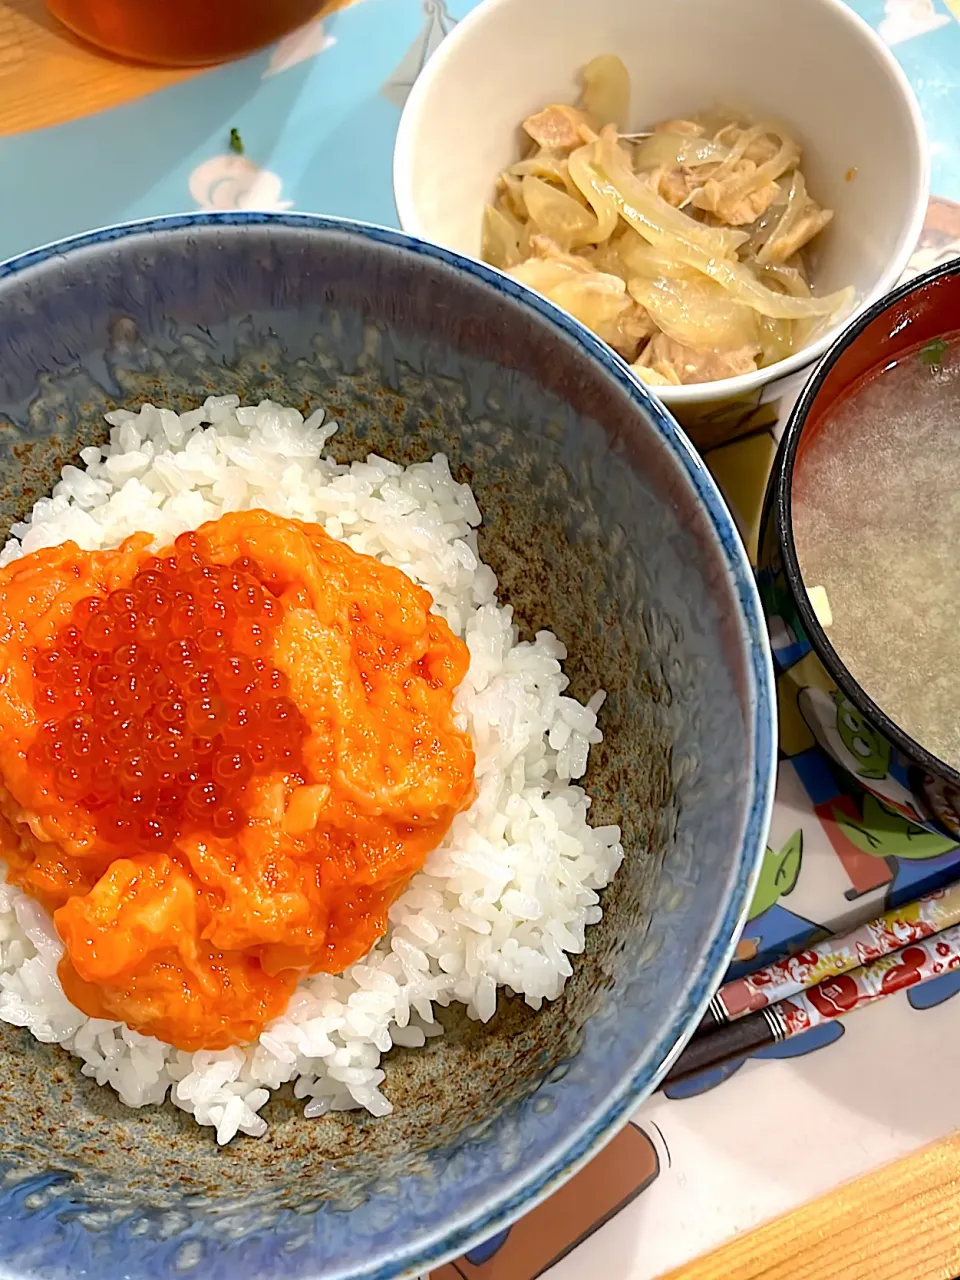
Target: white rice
[{"x": 502, "y": 902}]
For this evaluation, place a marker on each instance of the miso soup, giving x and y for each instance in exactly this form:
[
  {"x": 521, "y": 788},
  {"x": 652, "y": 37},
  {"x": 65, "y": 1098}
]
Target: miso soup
[{"x": 876, "y": 522}]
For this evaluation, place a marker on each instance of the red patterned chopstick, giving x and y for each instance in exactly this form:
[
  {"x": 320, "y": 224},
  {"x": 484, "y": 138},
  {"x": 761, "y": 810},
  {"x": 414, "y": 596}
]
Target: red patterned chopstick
[
  {"x": 835, "y": 997},
  {"x": 818, "y": 961}
]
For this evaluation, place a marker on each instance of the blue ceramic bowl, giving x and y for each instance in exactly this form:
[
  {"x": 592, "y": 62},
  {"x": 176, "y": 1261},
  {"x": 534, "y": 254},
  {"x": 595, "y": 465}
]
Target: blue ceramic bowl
[{"x": 602, "y": 524}]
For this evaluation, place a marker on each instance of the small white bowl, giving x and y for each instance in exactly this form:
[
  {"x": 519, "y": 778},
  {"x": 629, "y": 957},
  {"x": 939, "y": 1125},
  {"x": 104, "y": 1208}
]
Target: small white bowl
[{"x": 812, "y": 64}]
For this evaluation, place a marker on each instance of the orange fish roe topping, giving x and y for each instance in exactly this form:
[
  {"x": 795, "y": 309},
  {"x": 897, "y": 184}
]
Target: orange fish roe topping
[
  {"x": 221, "y": 765},
  {"x": 160, "y": 707}
]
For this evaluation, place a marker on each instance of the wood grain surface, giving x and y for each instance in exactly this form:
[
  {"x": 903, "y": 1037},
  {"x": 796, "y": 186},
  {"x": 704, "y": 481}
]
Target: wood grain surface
[
  {"x": 48, "y": 77},
  {"x": 900, "y": 1223}
]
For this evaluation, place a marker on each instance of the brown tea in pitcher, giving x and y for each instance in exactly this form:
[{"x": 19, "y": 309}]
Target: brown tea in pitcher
[{"x": 182, "y": 32}]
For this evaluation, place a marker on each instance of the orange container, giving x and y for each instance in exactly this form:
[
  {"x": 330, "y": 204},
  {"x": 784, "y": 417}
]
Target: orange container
[{"x": 182, "y": 33}]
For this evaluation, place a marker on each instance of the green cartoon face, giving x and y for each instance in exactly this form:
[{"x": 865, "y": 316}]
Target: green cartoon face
[
  {"x": 868, "y": 748},
  {"x": 778, "y": 875},
  {"x": 885, "y": 833}
]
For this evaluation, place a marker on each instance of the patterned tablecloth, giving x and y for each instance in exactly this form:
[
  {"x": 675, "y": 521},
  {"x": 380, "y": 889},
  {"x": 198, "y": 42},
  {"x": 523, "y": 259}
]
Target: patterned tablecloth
[{"x": 318, "y": 113}]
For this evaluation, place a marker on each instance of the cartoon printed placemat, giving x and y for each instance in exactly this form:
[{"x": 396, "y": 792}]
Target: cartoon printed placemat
[{"x": 317, "y": 114}]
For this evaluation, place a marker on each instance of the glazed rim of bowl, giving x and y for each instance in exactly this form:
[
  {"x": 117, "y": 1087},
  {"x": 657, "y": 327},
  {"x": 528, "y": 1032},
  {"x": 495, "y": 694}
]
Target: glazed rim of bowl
[
  {"x": 744, "y": 383},
  {"x": 783, "y": 498},
  {"x": 590, "y": 1131}
]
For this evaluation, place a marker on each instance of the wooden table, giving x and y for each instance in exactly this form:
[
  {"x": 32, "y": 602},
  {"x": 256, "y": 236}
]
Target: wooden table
[{"x": 900, "y": 1223}]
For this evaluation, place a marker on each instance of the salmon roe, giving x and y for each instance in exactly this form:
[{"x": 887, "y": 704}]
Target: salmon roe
[
  {"x": 159, "y": 705},
  {"x": 220, "y": 765}
]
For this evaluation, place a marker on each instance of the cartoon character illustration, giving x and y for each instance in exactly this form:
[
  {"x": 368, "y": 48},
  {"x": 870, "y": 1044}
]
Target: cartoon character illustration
[
  {"x": 842, "y": 732},
  {"x": 622, "y": 1170},
  {"x": 914, "y": 861},
  {"x": 778, "y": 875},
  {"x": 862, "y": 743},
  {"x": 886, "y": 832},
  {"x": 917, "y": 861}
]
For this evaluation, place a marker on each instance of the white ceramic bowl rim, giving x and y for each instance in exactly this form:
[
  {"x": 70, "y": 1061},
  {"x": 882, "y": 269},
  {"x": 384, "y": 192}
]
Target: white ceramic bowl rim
[{"x": 745, "y": 383}]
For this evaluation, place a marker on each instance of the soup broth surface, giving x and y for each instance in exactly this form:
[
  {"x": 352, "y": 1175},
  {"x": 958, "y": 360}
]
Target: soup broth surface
[{"x": 876, "y": 522}]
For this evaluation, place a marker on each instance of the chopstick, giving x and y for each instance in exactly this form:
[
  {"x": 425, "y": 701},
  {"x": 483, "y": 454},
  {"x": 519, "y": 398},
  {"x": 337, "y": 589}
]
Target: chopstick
[
  {"x": 821, "y": 960},
  {"x": 834, "y": 997}
]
